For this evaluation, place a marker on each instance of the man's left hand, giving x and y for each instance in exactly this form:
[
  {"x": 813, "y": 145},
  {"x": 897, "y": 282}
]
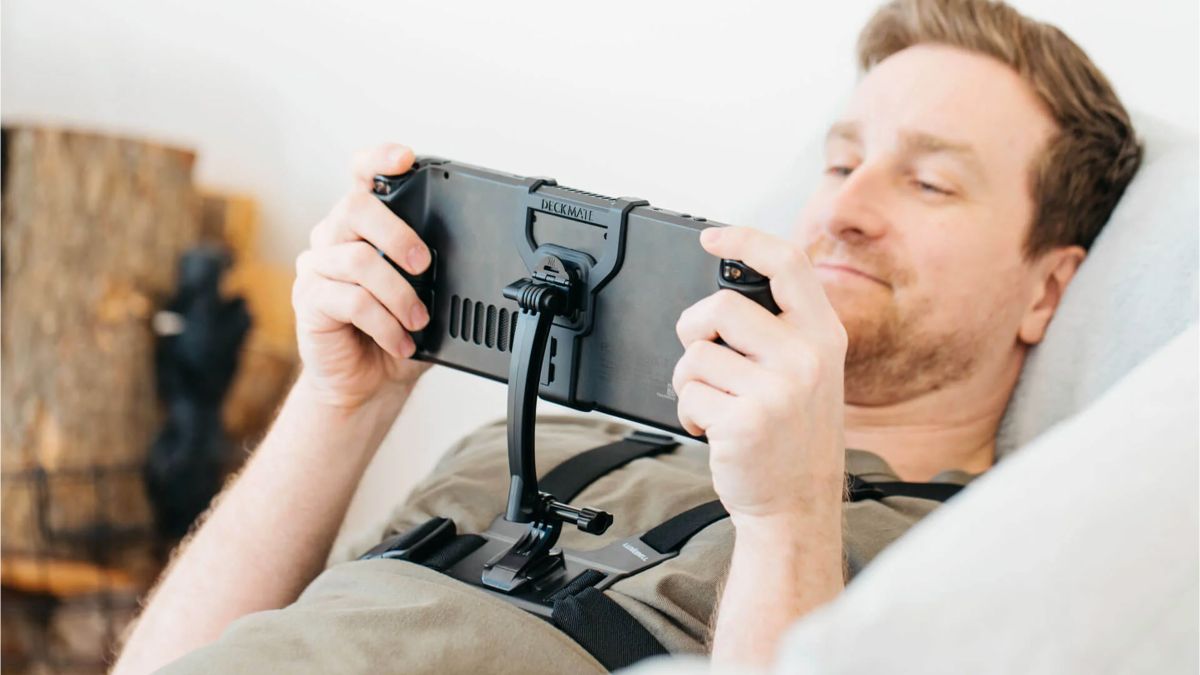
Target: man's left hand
[{"x": 771, "y": 402}]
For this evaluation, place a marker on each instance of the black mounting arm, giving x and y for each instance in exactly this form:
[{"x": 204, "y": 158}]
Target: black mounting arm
[{"x": 551, "y": 292}]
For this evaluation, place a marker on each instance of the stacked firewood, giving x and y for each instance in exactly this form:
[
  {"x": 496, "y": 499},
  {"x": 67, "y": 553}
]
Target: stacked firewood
[{"x": 93, "y": 228}]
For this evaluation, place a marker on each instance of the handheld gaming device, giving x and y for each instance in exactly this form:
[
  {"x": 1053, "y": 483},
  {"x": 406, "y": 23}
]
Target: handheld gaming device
[
  {"x": 564, "y": 294},
  {"x": 613, "y": 273}
]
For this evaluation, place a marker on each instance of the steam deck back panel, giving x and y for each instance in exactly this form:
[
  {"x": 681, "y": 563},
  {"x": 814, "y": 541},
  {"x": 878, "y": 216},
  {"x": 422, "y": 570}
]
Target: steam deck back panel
[{"x": 640, "y": 265}]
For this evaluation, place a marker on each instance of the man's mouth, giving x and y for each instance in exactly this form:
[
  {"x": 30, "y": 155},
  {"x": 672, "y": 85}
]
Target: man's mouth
[{"x": 849, "y": 270}]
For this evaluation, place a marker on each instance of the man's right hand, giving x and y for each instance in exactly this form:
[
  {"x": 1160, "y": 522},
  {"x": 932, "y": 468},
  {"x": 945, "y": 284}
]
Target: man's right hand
[{"x": 354, "y": 312}]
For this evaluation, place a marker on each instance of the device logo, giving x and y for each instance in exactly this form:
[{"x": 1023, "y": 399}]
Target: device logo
[
  {"x": 637, "y": 552},
  {"x": 568, "y": 210}
]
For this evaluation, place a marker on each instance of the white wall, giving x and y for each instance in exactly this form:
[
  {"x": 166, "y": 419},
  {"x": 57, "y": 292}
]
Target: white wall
[{"x": 697, "y": 106}]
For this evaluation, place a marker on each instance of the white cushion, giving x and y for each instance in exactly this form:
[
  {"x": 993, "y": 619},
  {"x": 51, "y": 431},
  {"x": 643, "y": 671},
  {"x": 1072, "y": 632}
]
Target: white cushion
[
  {"x": 1136, "y": 290},
  {"x": 1079, "y": 554}
]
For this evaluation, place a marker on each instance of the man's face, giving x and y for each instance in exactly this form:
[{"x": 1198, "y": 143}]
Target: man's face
[{"x": 917, "y": 227}]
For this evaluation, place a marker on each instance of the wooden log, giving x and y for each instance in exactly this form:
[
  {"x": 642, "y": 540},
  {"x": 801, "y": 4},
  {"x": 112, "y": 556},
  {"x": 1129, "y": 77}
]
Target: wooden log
[
  {"x": 263, "y": 379},
  {"x": 232, "y": 220},
  {"x": 92, "y": 230},
  {"x": 23, "y": 623},
  {"x": 62, "y": 578},
  {"x": 44, "y": 634},
  {"x": 84, "y": 630},
  {"x": 269, "y": 359}
]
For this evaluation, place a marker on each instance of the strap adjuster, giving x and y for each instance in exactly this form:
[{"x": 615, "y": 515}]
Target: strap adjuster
[
  {"x": 858, "y": 490},
  {"x": 651, "y": 438},
  {"x": 415, "y": 544}
]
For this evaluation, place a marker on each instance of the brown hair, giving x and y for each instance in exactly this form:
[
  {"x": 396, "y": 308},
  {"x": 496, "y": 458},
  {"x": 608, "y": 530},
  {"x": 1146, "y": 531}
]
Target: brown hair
[{"x": 1084, "y": 169}]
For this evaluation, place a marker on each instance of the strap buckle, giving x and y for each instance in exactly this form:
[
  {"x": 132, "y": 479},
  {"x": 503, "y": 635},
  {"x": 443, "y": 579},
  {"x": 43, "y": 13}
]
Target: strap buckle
[
  {"x": 415, "y": 544},
  {"x": 858, "y": 490},
  {"x": 651, "y": 438}
]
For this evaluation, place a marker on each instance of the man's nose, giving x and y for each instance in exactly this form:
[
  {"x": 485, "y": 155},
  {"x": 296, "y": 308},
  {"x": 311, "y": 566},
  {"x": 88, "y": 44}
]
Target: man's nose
[{"x": 856, "y": 211}]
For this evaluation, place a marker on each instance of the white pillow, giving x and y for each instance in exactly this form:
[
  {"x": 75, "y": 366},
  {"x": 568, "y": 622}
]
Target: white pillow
[
  {"x": 1079, "y": 555},
  {"x": 1136, "y": 290}
]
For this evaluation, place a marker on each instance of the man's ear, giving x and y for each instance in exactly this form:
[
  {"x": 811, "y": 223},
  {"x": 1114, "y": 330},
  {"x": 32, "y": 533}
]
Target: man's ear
[{"x": 1054, "y": 269}]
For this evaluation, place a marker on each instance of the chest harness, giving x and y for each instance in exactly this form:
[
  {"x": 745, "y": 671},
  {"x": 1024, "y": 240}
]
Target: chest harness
[{"x": 517, "y": 560}]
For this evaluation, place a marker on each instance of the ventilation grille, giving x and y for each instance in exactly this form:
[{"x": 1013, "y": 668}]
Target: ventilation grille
[
  {"x": 486, "y": 325},
  {"x": 584, "y": 192}
]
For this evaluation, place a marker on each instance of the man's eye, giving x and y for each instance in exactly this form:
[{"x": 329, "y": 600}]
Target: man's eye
[
  {"x": 837, "y": 170},
  {"x": 930, "y": 187}
]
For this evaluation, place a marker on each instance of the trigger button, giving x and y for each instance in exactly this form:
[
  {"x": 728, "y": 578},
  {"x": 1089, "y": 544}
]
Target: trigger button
[{"x": 736, "y": 272}]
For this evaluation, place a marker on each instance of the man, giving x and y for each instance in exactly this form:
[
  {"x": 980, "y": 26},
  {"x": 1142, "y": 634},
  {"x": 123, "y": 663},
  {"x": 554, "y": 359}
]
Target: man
[{"x": 979, "y": 158}]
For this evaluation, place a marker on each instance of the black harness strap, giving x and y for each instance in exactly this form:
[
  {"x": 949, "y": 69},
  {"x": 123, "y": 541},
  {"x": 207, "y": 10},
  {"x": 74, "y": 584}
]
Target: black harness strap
[
  {"x": 568, "y": 479},
  {"x": 600, "y": 625},
  {"x": 435, "y": 543},
  {"x": 587, "y": 615},
  {"x": 460, "y": 547},
  {"x": 670, "y": 536},
  {"x": 441, "y": 549},
  {"x": 860, "y": 489}
]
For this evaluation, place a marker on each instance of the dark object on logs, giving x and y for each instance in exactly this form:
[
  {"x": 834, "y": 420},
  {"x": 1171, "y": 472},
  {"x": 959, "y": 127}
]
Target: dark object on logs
[{"x": 199, "y": 337}]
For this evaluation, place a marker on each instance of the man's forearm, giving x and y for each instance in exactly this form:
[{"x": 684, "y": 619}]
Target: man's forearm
[
  {"x": 781, "y": 570},
  {"x": 269, "y": 533}
]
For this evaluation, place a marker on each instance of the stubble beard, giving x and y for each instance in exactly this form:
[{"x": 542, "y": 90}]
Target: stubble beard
[{"x": 890, "y": 356}]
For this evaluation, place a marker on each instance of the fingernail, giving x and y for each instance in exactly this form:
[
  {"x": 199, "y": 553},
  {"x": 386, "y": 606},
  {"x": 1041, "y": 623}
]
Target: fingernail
[
  {"x": 418, "y": 258},
  {"x": 711, "y": 235},
  {"x": 396, "y": 155},
  {"x": 419, "y": 316},
  {"x": 408, "y": 347}
]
